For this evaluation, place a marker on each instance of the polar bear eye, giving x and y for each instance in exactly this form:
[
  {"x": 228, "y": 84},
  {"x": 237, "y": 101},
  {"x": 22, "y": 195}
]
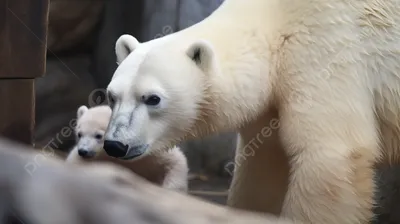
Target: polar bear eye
[
  {"x": 111, "y": 99},
  {"x": 79, "y": 135},
  {"x": 98, "y": 136},
  {"x": 151, "y": 100}
]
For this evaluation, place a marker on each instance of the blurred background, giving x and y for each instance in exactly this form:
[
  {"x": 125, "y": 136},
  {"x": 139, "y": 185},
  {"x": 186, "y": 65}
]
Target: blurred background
[{"x": 81, "y": 62}]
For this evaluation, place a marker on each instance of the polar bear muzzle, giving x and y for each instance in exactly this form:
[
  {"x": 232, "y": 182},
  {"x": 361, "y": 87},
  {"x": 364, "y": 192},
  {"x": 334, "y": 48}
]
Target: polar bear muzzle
[
  {"x": 86, "y": 153},
  {"x": 119, "y": 150}
]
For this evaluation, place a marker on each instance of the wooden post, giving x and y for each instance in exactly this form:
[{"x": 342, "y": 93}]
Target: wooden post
[{"x": 23, "y": 36}]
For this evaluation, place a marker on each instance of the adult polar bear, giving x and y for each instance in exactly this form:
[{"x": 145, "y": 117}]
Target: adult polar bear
[{"x": 328, "y": 70}]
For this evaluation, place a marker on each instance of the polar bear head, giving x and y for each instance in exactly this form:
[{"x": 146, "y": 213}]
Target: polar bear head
[
  {"x": 91, "y": 126},
  {"x": 158, "y": 93}
]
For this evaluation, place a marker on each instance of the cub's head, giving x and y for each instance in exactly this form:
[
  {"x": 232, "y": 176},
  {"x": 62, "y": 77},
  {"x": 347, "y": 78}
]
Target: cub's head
[
  {"x": 91, "y": 126},
  {"x": 157, "y": 94}
]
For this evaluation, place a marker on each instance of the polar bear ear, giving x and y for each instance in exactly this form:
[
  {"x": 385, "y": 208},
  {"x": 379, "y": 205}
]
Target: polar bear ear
[
  {"x": 81, "y": 110},
  {"x": 124, "y": 46},
  {"x": 201, "y": 53}
]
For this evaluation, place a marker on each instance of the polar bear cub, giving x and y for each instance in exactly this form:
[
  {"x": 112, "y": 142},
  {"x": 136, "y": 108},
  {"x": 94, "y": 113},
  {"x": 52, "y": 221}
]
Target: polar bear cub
[{"x": 166, "y": 168}]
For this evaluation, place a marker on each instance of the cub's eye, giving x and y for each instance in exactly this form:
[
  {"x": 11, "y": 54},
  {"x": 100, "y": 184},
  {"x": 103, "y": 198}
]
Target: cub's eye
[
  {"x": 98, "y": 136},
  {"x": 79, "y": 135},
  {"x": 151, "y": 100}
]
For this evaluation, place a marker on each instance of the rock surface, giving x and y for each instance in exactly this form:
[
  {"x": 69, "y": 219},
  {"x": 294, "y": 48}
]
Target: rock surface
[{"x": 71, "y": 21}]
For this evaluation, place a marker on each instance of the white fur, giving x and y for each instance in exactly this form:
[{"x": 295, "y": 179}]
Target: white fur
[
  {"x": 124, "y": 45},
  {"x": 177, "y": 176},
  {"x": 325, "y": 75},
  {"x": 81, "y": 110},
  {"x": 90, "y": 122},
  {"x": 168, "y": 169}
]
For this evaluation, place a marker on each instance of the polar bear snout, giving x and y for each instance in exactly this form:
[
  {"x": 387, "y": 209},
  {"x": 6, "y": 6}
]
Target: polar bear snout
[
  {"x": 85, "y": 153},
  {"x": 115, "y": 148},
  {"x": 135, "y": 152},
  {"x": 120, "y": 150}
]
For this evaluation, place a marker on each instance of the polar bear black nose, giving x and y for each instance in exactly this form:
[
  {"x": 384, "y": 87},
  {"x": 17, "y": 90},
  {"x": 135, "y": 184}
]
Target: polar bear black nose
[
  {"x": 115, "y": 148},
  {"x": 82, "y": 152}
]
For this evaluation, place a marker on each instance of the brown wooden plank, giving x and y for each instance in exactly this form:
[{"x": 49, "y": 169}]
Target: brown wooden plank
[
  {"x": 17, "y": 110},
  {"x": 23, "y": 36}
]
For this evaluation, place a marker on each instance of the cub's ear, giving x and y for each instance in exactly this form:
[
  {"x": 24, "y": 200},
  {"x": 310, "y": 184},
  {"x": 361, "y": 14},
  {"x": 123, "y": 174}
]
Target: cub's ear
[
  {"x": 81, "y": 110},
  {"x": 201, "y": 53},
  {"x": 124, "y": 46}
]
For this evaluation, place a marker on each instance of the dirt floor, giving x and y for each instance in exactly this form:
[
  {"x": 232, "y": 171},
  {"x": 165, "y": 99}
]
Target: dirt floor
[{"x": 210, "y": 188}]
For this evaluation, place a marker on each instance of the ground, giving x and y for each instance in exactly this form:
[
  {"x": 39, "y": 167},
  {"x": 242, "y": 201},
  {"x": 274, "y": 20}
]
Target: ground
[{"x": 210, "y": 188}]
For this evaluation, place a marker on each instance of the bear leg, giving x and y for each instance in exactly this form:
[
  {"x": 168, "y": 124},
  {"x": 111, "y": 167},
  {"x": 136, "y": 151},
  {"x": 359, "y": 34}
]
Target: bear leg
[
  {"x": 332, "y": 149},
  {"x": 261, "y": 168}
]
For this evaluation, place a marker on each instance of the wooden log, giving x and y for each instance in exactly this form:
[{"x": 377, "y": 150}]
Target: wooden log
[
  {"x": 23, "y": 36},
  {"x": 17, "y": 113},
  {"x": 55, "y": 192}
]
